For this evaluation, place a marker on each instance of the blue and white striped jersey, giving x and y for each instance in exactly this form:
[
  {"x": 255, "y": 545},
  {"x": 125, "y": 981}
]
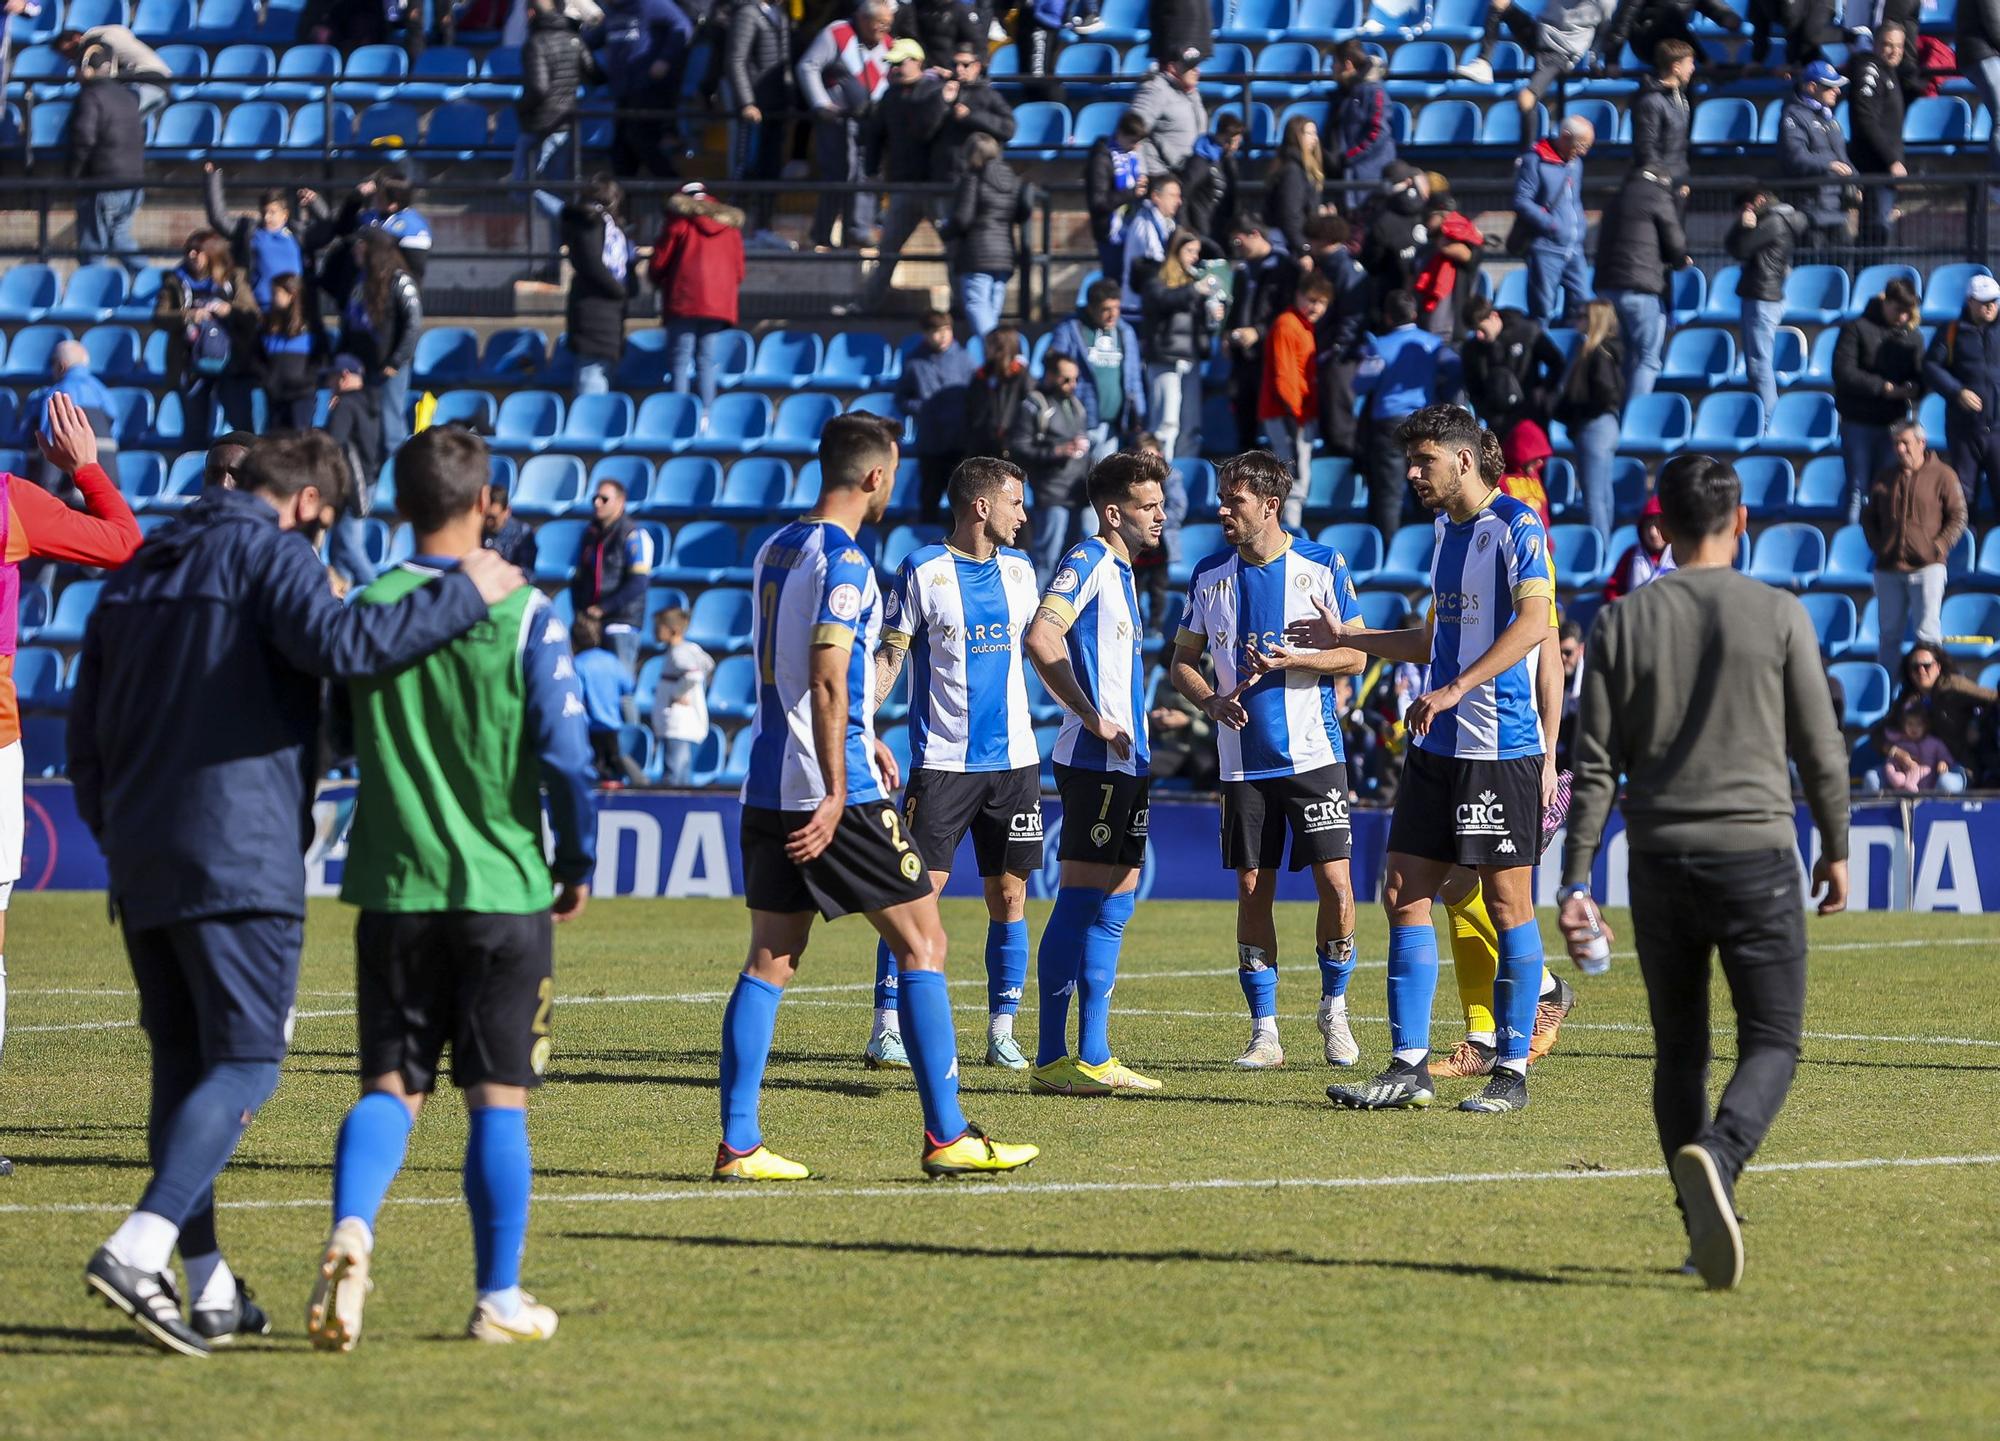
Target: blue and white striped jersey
[
  {"x": 1093, "y": 591},
  {"x": 963, "y": 620},
  {"x": 813, "y": 587},
  {"x": 1234, "y": 606},
  {"x": 1483, "y": 568}
]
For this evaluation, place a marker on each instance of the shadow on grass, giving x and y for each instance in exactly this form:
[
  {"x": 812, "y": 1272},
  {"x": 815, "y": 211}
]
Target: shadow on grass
[
  {"x": 855, "y": 1090},
  {"x": 99, "y": 1341}
]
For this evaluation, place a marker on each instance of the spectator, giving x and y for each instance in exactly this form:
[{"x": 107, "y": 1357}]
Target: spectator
[
  {"x": 222, "y": 466},
  {"x": 290, "y": 348},
  {"x": 1358, "y": 120},
  {"x": 1805, "y": 26},
  {"x": 1645, "y": 560},
  {"x": 133, "y": 61},
  {"x": 387, "y": 201},
  {"x": 1212, "y": 181},
  {"x": 1963, "y": 365},
  {"x": 614, "y": 564},
  {"x": 106, "y": 144},
  {"x": 1914, "y": 514},
  {"x": 601, "y": 258},
  {"x": 70, "y": 375},
  {"x": 1106, "y": 348},
  {"x": 1979, "y": 57},
  {"x": 898, "y": 139},
  {"x": 1289, "y": 406},
  {"x": 1765, "y": 237},
  {"x": 697, "y": 269},
  {"x": 965, "y": 105},
  {"x": 1038, "y": 27},
  {"x": 1183, "y": 310},
  {"x": 1181, "y": 30},
  {"x": 1168, "y": 103},
  {"x": 1878, "y": 369},
  {"x": 1915, "y": 759},
  {"x": 507, "y": 533},
  {"x": 841, "y": 75},
  {"x": 210, "y": 318},
  {"x": 1452, "y": 249},
  {"x": 680, "y": 696},
  {"x": 1524, "y": 456},
  {"x": 380, "y": 327},
  {"x": 1564, "y": 35},
  {"x": 1646, "y": 23},
  {"x": 641, "y": 46},
  {"x": 1811, "y": 146},
  {"x": 1548, "y": 202},
  {"x": 555, "y": 64},
  {"x": 999, "y": 387},
  {"x": 1662, "y": 117},
  {"x": 1876, "y": 114},
  {"x": 267, "y": 244},
  {"x": 1400, "y": 373},
  {"x": 990, "y": 202},
  {"x": 940, "y": 28},
  {"x": 1266, "y": 276},
  {"x": 1638, "y": 243},
  {"x": 1955, "y": 706},
  {"x": 1592, "y": 402},
  {"x": 607, "y": 688},
  {"x": 1114, "y": 181},
  {"x": 1051, "y": 444},
  {"x": 1182, "y": 738},
  {"x": 932, "y": 393},
  {"x": 354, "y": 421},
  {"x": 1512, "y": 368},
  {"x": 1569, "y": 645},
  {"x": 1146, "y": 236},
  {"x": 1292, "y": 191},
  {"x": 1395, "y": 233},
  {"x": 1340, "y": 332},
  {"x": 758, "y": 90}
]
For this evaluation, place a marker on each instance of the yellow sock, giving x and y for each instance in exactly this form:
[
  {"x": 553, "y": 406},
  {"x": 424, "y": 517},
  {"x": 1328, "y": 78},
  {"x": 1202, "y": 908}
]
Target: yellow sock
[{"x": 1475, "y": 959}]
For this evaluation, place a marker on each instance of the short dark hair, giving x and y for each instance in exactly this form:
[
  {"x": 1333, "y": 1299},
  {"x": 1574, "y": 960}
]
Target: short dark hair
[
  {"x": 1699, "y": 495},
  {"x": 1131, "y": 129},
  {"x": 1451, "y": 426},
  {"x": 976, "y": 476},
  {"x": 1670, "y": 52},
  {"x": 1228, "y": 124},
  {"x": 1103, "y": 290},
  {"x": 393, "y": 187},
  {"x": 1900, "y": 293},
  {"x": 932, "y": 319},
  {"x": 1399, "y": 307},
  {"x": 439, "y": 474},
  {"x": 850, "y": 446},
  {"x": 1477, "y": 308},
  {"x": 605, "y": 192},
  {"x": 1257, "y": 471},
  {"x": 280, "y": 466},
  {"x": 1572, "y": 629},
  {"x": 1117, "y": 476},
  {"x": 1352, "y": 52},
  {"x": 1315, "y": 286},
  {"x": 224, "y": 461},
  {"x": 1329, "y": 230},
  {"x": 496, "y": 490},
  {"x": 275, "y": 196},
  {"x": 586, "y": 632}
]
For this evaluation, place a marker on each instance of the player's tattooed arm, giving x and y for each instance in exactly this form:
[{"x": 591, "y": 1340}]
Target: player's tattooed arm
[
  {"x": 1044, "y": 645},
  {"x": 888, "y": 665}
]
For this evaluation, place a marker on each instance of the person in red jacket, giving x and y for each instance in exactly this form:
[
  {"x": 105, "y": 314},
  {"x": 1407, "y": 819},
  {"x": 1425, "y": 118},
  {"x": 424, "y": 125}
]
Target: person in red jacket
[
  {"x": 36, "y": 524},
  {"x": 697, "y": 268},
  {"x": 1527, "y": 451},
  {"x": 1288, "y": 402},
  {"x": 1646, "y": 559}
]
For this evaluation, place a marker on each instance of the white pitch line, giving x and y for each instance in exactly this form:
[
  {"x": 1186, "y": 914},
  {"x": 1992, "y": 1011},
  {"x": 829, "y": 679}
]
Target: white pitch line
[{"x": 999, "y": 1189}]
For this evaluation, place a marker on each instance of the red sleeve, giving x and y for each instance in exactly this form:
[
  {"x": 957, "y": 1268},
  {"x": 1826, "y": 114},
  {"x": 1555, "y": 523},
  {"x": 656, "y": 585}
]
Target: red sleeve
[
  {"x": 1375, "y": 113},
  {"x": 107, "y": 536}
]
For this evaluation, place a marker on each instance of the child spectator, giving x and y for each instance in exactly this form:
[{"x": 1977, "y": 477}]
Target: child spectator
[
  {"x": 998, "y": 388},
  {"x": 606, "y": 685},
  {"x": 1526, "y": 452},
  {"x": 1915, "y": 759},
  {"x": 1289, "y": 404},
  {"x": 267, "y": 245},
  {"x": 935, "y": 386},
  {"x": 1644, "y": 561},
  {"x": 680, "y": 699},
  {"x": 291, "y": 347}
]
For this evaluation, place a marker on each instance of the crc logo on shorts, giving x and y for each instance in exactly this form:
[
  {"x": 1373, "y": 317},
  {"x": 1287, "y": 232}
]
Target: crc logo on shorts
[
  {"x": 538, "y": 1059},
  {"x": 1139, "y": 820},
  {"x": 845, "y": 601},
  {"x": 1026, "y": 826},
  {"x": 1066, "y": 579},
  {"x": 1327, "y": 815},
  {"x": 1486, "y": 816},
  {"x": 912, "y": 865}
]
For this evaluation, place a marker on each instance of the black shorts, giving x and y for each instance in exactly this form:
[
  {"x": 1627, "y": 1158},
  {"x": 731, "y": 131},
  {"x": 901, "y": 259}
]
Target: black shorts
[
  {"x": 483, "y": 984},
  {"x": 221, "y": 987},
  {"x": 870, "y": 865},
  {"x": 1002, "y": 809},
  {"x": 1312, "y": 806},
  {"x": 1468, "y": 812},
  {"x": 1104, "y": 816}
]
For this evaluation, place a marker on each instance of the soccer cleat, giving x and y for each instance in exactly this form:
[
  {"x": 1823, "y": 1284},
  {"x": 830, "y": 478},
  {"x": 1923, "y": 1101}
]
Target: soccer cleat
[
  {"x": 1065, "y": 1076},
  {"x": 974, "y": 1154},
  {"x": 149, "y": 1298},
  {"x": 1117, "y": 1076},
  {"x": 1549, "y": 1014},
  {"x": 1262, "y": 1054},
  {"x": 1479, "y": 72},
  {"x": 333, "y": 1315},
  {"x": 1401, "y": 1087},
  {"x": 1469, "y": 1058},
  {"x": 1715, "y": 1241},
  {"x": 220, "y": 1325},
  {"x": 1341, "y": 1047},
  {"x": 886, "y": 1053},
  {"x": 1506, "y": 1091},
  {"x": 533, "y": 1322},
  {"x": 1005, "y": 1052},
  {"x": 762, "y": 1164}
]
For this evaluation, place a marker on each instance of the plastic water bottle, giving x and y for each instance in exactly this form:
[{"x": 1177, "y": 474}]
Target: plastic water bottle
[{"x": 1595, "y": 959}]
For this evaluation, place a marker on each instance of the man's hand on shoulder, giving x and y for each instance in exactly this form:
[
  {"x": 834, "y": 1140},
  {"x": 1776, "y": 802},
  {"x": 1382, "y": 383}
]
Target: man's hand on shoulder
[{"x": 495, "y": 577}]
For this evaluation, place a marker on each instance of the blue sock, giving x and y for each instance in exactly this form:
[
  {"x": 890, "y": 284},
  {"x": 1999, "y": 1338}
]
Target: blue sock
[
  {"x": 1006, "y": 966},
  {"x": 747, "y": 1023},
  {"x": 1336, "y": 970},
  {"x": 1099, "y": 975},
  {"x": 1057, "y": 965},
  {"x": 497, "y": 1179},
  {"x": 1413, "y": 978},
  {"x": 198, "y": 1138},
  {"x": 885, "y": 978},
  {"x": 1517, "y": 988},
  {"x": 925, "y": 1003},
  {"x": 1260, "y": 985},
  {"x": 368, "y": 1155}
]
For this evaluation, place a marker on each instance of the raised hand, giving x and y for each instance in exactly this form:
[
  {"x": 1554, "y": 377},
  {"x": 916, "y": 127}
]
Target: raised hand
[
  {"x": 1321, "y": 632},
  {"x": 69, "y": 443}
]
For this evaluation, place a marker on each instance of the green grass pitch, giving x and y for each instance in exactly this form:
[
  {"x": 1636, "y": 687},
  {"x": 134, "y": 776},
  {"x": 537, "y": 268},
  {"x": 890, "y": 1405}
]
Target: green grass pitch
[{"x": 1233, "y": 1257}]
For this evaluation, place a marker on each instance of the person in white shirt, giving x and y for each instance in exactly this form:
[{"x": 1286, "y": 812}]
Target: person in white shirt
[{"x": 680, "y": 700}]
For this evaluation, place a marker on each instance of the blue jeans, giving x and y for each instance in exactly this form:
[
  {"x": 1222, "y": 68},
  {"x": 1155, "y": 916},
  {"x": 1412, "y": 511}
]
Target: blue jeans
[
  {"x": 1643, "y": 321},
  {"x": 1868, "y": 452},
  {"x": 347, "y": 550},
  {"x": 394, "y": 396},
  {"x": 691, "y": 352},
  {"x": 104, "y": 227},
  {"x": 1057, "y": 527},
  {"x": 1555, "y": 282},
  {"x": 545, "y": 157},
  {"x": 1760, "y": 340},
  {"x": 593, "y": 377},
  {"x": 1596, "y": 449},
  {"x": 982, "y": 295},
  {"x": 1986, "y": 75},
  {"x": 679, "y": 766}
]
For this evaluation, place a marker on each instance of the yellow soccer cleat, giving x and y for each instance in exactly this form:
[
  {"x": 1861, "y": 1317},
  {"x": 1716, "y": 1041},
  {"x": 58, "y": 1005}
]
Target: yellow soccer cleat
[
  {"x": 974, "y": 1154},
  {"x": 533, "y": 1322},
  {"x": 1064, "y": 1076},
  {"x": 1115, "y": 1075},
  {"x": 762, "y": 1164},
  {"x": 333, "y": 1316}
]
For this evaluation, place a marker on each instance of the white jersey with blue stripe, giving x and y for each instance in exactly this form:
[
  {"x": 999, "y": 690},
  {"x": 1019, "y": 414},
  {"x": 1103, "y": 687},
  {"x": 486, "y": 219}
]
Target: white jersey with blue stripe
[
  {"x": 1093, "y": 591},
  {"x": 1482, "y": 569},
  {"x": 963, "y": 621},
  {"x": 1235, "y": 606},
  {"x": 813, "y": 587}
]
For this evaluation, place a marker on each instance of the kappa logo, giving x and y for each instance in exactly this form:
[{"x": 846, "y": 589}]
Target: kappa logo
[
  {"x": 1486, "y": 816},
  {"x": 1506, "y": 846},
  {"x": 851, "y": 556},
  {"x": 937, "y": 580}
]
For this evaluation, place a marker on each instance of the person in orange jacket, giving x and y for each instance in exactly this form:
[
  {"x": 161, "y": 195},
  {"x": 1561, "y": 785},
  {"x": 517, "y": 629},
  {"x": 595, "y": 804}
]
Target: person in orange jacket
[{"x": 1288, "y": 402}]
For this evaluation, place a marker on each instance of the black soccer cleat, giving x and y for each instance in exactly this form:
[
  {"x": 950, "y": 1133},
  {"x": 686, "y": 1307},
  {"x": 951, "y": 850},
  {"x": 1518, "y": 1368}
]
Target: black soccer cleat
[
  {"x": 1401, "y": 1086},
  {"x": 1507, "y": 1090},
  {"x": 1715, "y": 1241},
  {"x": 149, "y": 1298},
  {"x": 220, "y": 1325}
]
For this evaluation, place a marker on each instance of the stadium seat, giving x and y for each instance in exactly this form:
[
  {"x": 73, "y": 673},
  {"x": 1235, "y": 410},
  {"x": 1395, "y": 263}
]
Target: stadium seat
[
  {"x": 1866, "y": 686},
  {"x": 528, "y": 421},
  {"x": 391, "y": 127},
  {"x": 666, "y": 423},
  {"x": 549, "y": 485},
  {"x": 903, "y": 541},
  {"x": 48, "y": 125},
  {"x": 739, "y": 422},
  {"x": 1867, "y": 643},
  {"x": 1255, "y": 22},
  {"x": 632, "y": 473},
  {"x": 1197, "y": 479},
  {"x": 1986, "y": 570},
  {"x": 1502, "y": 128},
  {"x": 1384, "y": 610},
  {"x": 1970, "y": 621},
  {"x": 732, "y": 690},
  {"x": 684, "y": 485},
  {"x": 1834, "y": 621},
  {"x": 596, "y": 423},
  {"x": 93, "y": 295},
  {"x": 1450, "y": 123},
  {"x": 704, "y": 553},
  {"x": 1790, "y": 555},
  {"x": 799, "y": 422},
  {"x": 38, "y": 679},
  {"x": 131, "y": 416},
  {"x": 1725, "y": 123},
  {"x": 754, "y": 486},
  {"x": 1822, "y": 489},
  {"x": 1335, "y": 487},
  {"x": 1944, "y": 292},
  {"x": 372, "y": 73},
  {"x": 1941, "y": 124},
  {"x": 239, "y": 73},
  {"x": 736, "y": 768},
  {"x": 721, "y": 620},
  {"x": 473, "y": 408},
  {"x": 44, "y": 741},
  {"x": 556, "y": 546},
  {"x": 1087, "y": 70},
  {"x": 187, "y": 130},
  {"x": 28, "y": 292},
  {"x": 1579, "y": 555},
  {"x": 303, "y": 73},
  {"x": 137, "y": 307},
  {"x": 1819, "y": 360},
  {"x": 709, "y": 758},
  {"x": 312, "y": 134},
  {"x": 447, "y": 355},
  {"x": 114, "y": 352},
  {"x": 30, "y": 352},
  {"x": 1197, "y": 543},
  {"x": 1815, "y": 295},
  {"x": 73, "y": 608},
  {"x": 1728, "y": 423},
  {"x": 1804, "y": 421},
  {"x": 1359, "y": 544},
  {"x": 1868, "y": 284},
  {"x": 1407, "y": 565},
  {"x": 1723, "y": 305},
  {"x": 1690, "y": 293},
  {"x": 1041, "y": 130},
  {"x": 455, "y": 131},
  {"x": 855, "y": 360},
  {"x": 443, "y": 73},
  {"x": 159, "y": 19},
  {"x": 44, "y": 71},
  {"x": 786, "y": 360},
  {"x": 1767, "y": 485},
  {"x": 1850, "y": 564},
  {"x": 1456, "y": 20},
  {"x": 1703, "y": 358},
  {"x": 1959, "y": 563},
  {"x": 499, "y": 76},
  {"x": 1421, "y": 70},
  {"x": 1657, "y": 424},
  {"x": 1320, "y": 20},
  {"x": 142, "y": 475}
]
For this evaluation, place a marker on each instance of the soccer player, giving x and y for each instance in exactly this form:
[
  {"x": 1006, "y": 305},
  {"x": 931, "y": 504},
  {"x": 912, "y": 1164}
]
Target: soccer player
[
  {"x": 1284, "y": 768},
  {"x": 1086, "y": 641},
  {"x": 819, "y": 832},
  {"x": 959, "y": 611},
  {"x": 193, "y": 730},
  {"x": 1478, "y": 776},
  {"x": 453, "y": 947}
]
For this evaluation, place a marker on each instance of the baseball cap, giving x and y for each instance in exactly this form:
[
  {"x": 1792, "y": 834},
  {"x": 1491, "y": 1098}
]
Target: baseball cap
[
  {"x": 1821, "y": 73},
  {"x": 905, "y": 49},
  {"x": 348, "y": 364},
  {"x": 1984, "y": 289}
]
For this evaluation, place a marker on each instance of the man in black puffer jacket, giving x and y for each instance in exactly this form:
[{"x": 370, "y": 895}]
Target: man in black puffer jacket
[
  {"x": 555, "y": 64},
  {"x": 106, "y": 142},
  {"x": 1878, "y": 369},
  {"x": 1875, "y": 115},
  {"x": 963, "y": 106},
  {"x": 1639, "y": 242},
  {"x": 896, "y": 141},
  {"x": 1661, "y": 115},
  {"x": 1764, "y": 238},
  {"x": 984, "y": 212}
]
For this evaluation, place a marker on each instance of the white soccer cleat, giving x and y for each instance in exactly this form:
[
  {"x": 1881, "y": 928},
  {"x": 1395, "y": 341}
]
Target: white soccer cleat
[
  {"x": 533, "y": 1322},
  {"x": 1341, "y": 1047},
  {"x": 333, "y": 1316},
  {"x": 1262, "y": 1054}
]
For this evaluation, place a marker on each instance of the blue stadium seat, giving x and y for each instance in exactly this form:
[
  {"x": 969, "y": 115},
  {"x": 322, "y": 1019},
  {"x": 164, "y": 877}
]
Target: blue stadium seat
[
  {"x": 666, "y": 423},
  {"x": 902, "y": 499},
  {"x": 1729, "y": 423},
  {"x": 297, "y": 68},
  {"x": 114, "y": 352},
  {"x": 635, "y": 743},
  {"x": 877, "y": 402},
  {"x": 1790, "y": 555},
  {"x": 254, "y": 130},
  {"x": 1041, "y": 130},
  {"x": 1630, "y": 485},
  {"x": 1985, "y": 573},
  {"x": 131, "y": 416},
  {"x": 1197, "y": 543},
  {"x": 517, "y": 353},
  {"x": 473, "y": 408},
  {"x": 736, "y": 769},
  {"x": 1723, "y": 123},
  {"x": 1866, "y": 686},
  {"x": 704, "y": 553},
  {"x": 528, "y": 421},
  {"x": 27, "y": 292},
  {"x": 1227, "y": 58},
  {"x": 1503, "y": 125},
  {"x": 1804, "y": 421},
  {"x": 732, "y": 690},
  {"x": 739, "y": 422},
  {"x": 1815, "y": 295},
  {"x": 240, "y": 72},
  {"x": 1819, "y": 360},
  {"x": 556, "y": 545},
  {"x": 1408, "y": 562},
  {"x": 137, "y": 307},
  {"x": 187, "y": 130},
  {"x": 48, "y": 125},
  {"x": 38, "y": 678},
  {"x": 159, "y": 19},
  {"x": 1821, "y": 490},
  {"x": 448, "y": 355},
  {"x": 30, "y": 352},
  {"x": 1612, "y": 126},
  {"x": 1095, "y": 122},
  {"x": 1850, "y": 564},
  {"x": 73, "y": 608},
  {"x": 735, "y": 353},
  {"x": 1384, "y": 610},
  {"x": 499, "y": 76},
  {"x": 1944, "y": 292},
  {"x": 1868, "y": 284},
  {"x": 1834, "y": 621},
  {"x": 42, "y": 70},
  {"x": 455, "y": 131},
  {"x": 1198, "y": 482},
  {"x": 1087, "y": 69},
  {"x": 1457, "y": 20},
  {"x": 1454, "y": 123},
  {"x": 1253, "y": 22},
  {"x": 1322, "y": 19},
  {"x": 596, "y": 423},
  {"x": 372, "y": 73},
  {"x": 442, "y": 73},
  {"x": 1970, "y": 621},
  {"x": 1702, "y": 358},
  {"x": 786, "y": 360},
  {"x": 142, "y": 475},
  {"x": 721, "y": 620},
  {"x": 1579, "y": 555},
  {"x": 87, "y": 14},
  {"x": 800, "y": 420},
  {"x": 905, "y": 540},
  {"x": 1767, "y": 485},
  {"x": 855, "y": 360},
  {"x": 1867, "y": 642},
  {"x": 1690, "y": 293},
  {"x": 643, "y": 366},
  {"x": 1938, "y": 123},
  {"x": 390, "y": 126},
  {"x": 754, "y": 486},
  {"x": 1723, "y": 305},
  {"x": 1655, "y": 424},
  {"x": 633, "y": 473},
  {"x": 1510, "y": 68},
  {"x": 709, "y": 758},
  {"x": 44, "y": 740},
  {"x": 1359, "y": 543},
  {"x": 1931, "y": 414},
  {"x": 1511, "y": 293},
  {"x": 550, "y": 485},
  {"x": 310, "y": 133},
  {"x": 219, "y": 21}
]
